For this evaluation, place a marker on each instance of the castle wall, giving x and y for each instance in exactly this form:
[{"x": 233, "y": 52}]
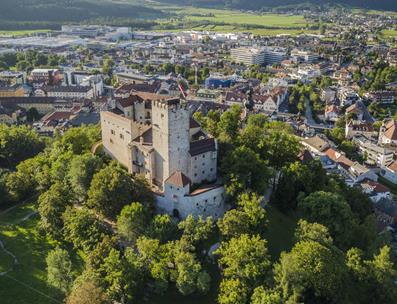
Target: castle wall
[
  {"x": 203, "y": 167},
  {"x": 208, "y": 203},
  {"x": 117, "y": 133}
]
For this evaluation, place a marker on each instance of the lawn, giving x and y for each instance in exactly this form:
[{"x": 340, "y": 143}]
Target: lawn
[
  {"x": 280, "y": 234},
  {"x": 26, "y": 283}
]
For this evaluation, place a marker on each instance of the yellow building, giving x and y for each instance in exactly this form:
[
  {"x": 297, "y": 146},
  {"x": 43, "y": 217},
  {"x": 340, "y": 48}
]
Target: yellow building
[{"x": 12, "y": 91}]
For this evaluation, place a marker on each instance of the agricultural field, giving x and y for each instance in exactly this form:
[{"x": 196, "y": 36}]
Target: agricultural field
[
  {"x": 192, "y": 18},
  {"x": 22, "y": 32},
  {"x": 389, "y": 33}
]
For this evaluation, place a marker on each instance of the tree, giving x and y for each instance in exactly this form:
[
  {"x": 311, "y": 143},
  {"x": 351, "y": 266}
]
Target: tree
[
  {"x": 195, "y": 232},
  {"x": 306, "y": 231},
  {"x": 375, "y": 279},
  {"x": 248, "y": 218},
  {"x": 245, "y": 258},
  {"x": 111, "y": 189},
  {"x": 332, "y": 211},
  {"x": 280, "y": 147},
  {"x": 87, "y": 293},
  {"x": 133, "y": 221},
  {"x": 79, "y": 140},
  {"x": 232, "y": 291},
  {"x": 162, "y": 228},
  {"x": 244, "y": 170},
  {"x": 32, "y": 114},
  {"x": 18, "y": 143},
  {"x": 81, "y": 170},
  {"x": 4, "y": 194},
  {"x": 296, "y": 178},
  {"x": 312, "y": 273},
  {"x": 52, "y": 204},
  {"x": 229, "y": 123},
  {"x": 59, "y": 269},
  {"x": 262, "y": 295},
  {"x": 82, "y": 229},
  {"x": 188, "y": 275}
]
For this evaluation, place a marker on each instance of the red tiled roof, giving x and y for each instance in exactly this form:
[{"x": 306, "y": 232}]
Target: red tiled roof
[{"x": 178, "y": 179}]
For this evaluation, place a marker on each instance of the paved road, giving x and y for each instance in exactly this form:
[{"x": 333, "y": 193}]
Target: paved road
[{"x": 310, "y": 120}]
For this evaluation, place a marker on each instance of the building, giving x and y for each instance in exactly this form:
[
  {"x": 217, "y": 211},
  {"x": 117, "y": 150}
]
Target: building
[
  {"x": 303, "y": 56},
  {"x": 248, "y": 56},
  {"x": 374, "y": 154},
  {"x": 11, "y": 77},
  {"x": 388, "y": 133},
  {"x": 76, "y": 92},
  {"x": 390, "y": 172},
  {"x": 45, "y": 76},
  {"x": 215, "y": 81},
  {"x": 172, "y": 153},
  {"x": 15, "y": 90},
  {"x": 274, "y": 55},
  {"x": 383, "y": 97}
]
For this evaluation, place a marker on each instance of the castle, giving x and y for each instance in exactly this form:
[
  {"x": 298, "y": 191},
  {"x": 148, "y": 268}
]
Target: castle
[{"x": 159, "y": 140}]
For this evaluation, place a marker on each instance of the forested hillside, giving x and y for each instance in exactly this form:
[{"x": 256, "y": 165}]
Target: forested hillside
[
  {"x": 51, "y": 13},
  {"x": 258, "y": 4}
]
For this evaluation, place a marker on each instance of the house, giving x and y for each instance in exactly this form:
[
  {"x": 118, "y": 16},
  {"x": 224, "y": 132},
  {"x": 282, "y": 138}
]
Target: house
[
  {"x": 331, "y": 113},
  {"x": 390, "y": 172},
  {"x": 353, "y": 172},
  {"x": 383, "y": 97},
  {"x": 15, "y": 90},
  {"x": 374, "y": 154},
  {"x": 388, "y": 133},
  {"x": 315, "y": 145},
  {"x": 375, "y": 191},
  {"x": 357, "y": 127}
]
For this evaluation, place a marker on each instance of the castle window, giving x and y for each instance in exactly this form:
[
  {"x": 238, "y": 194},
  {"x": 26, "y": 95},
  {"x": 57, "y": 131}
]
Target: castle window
[
  {"x": 112, "y": 132},
  {"x": 212, "y": 169},
  {"x": 195, "y": 174},
  {"x": 111, "y": 141},
  {"x": 214, "y": 198},
  {"x": 203, "y": 172},
  {"x": 203, "y": 155},
  {"x": 121, "y": 136}
]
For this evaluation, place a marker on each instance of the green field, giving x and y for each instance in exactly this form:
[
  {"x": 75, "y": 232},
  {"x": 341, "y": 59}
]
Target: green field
[
  {"x": 216, "y": 20},
  {"x": 22, "y": 32},
  {"x": 26, "y": 283},
  {"x": 389, "y": 33}
]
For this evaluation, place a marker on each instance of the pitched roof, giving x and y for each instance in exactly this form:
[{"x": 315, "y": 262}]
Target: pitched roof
[
  {"x": 305, "y": 156},
  {"x": 201, "y": 146},
  {"x": 178, "y": 179},
  {"x": 391, "y": 130}
]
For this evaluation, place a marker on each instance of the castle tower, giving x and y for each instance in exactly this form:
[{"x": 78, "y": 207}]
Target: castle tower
[{"x": 171, "y": 140}]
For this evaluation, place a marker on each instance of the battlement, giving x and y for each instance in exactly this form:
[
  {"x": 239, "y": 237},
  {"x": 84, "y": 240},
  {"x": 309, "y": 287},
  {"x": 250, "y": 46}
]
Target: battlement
[{"x": 170, "y": 104}]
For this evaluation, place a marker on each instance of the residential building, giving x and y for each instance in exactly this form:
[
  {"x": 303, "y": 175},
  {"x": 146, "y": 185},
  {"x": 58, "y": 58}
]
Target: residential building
[
  {"x": 373, "y": 153},
  {"x": 15, "y": 90},
  {"x": 248, "y": 56},
  {"x": 388, "y": 133}
]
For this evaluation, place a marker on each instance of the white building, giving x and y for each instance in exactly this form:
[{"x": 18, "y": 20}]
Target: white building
[
  {"x": 274, "y": 55},
  {"x": 172, "y": 152},
  {"x": 248, "y": 56}
]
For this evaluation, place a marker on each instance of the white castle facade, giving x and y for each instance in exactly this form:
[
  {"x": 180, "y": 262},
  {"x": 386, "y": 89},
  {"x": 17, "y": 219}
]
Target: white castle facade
[{"x": 160, "y": 141}]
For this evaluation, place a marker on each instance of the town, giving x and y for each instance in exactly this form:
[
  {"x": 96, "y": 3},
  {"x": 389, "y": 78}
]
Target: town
[{"x": 157, "y": 95}]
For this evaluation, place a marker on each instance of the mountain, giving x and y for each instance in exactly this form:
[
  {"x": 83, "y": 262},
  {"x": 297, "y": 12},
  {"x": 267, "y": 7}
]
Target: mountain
[{"x": 258, "y": 4}]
